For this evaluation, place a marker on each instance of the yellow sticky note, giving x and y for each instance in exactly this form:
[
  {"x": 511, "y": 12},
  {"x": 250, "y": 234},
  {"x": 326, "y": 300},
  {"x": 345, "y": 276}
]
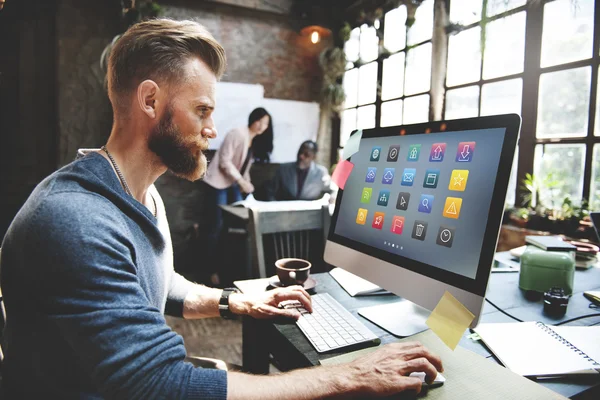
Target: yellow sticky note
[{"x": 449, "y": 320}]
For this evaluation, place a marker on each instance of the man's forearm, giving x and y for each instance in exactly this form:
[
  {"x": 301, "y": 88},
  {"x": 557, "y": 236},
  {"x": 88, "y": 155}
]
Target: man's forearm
[
  {"x": 302, "y": 384},
  {"x": 201, "y": 302}
]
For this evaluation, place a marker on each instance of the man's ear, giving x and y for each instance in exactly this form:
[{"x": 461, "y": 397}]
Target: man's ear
[{"x": 147, "y": 97}]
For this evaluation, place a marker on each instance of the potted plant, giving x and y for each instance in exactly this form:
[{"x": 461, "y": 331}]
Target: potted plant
[{"x": 554, "y": 214}]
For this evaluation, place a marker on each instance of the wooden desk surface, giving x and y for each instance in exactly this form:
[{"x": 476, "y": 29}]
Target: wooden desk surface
[{"x": 292, "y": 350}]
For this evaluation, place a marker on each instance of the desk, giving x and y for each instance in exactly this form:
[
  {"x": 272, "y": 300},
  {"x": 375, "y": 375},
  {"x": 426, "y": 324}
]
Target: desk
[{"x": 290, "y": 349}]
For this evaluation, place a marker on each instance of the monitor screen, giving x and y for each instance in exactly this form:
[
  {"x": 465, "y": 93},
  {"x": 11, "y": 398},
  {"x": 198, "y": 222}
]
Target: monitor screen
[{"x": 422, "y": 201}]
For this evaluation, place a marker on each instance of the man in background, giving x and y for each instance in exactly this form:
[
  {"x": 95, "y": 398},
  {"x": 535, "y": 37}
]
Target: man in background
[{"x": 303, "y": 179}]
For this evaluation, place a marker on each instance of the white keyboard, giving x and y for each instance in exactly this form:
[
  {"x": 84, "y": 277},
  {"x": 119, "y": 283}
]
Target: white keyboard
[{"x": 330, "y": 326}]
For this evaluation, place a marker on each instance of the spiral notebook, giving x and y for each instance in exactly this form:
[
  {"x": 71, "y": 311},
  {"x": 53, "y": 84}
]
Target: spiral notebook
[{"x": 539, "y": 350}]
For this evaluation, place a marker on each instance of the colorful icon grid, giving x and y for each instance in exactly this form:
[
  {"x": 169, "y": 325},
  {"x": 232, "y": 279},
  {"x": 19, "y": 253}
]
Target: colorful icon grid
[{"x": 427, "y": 180}]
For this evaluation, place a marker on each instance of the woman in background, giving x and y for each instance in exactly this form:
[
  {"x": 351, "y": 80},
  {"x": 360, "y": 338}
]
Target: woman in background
[{"x": 228, "y": 174}]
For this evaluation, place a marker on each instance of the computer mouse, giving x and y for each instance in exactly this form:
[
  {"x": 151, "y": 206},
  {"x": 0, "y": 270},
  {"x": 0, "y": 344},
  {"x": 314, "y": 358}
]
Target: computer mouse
[{"x": 437, "y": 382}]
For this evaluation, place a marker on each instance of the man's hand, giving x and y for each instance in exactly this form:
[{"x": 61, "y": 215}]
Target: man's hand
[
  {"x": 265, "y": 305},
  {"x": 246, "y": 186},
  {"x": 385, "y": 371}
]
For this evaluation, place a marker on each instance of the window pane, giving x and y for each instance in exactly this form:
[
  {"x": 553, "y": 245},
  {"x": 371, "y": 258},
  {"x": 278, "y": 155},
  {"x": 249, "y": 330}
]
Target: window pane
[
  {"x": 563, "y": 103},
  {"x": 422, "y": 29},
  {"x": 394, "y": 35},
  {"x": 351, "y": 46},
  {"x": 568, "y": 31},
  {"x": 512, "y": 182},
  {"x": 502, "y": 97},
  {"x": 418, "y": 70},
  {"x": 347, "y": 125},
  {"x": 495, "y": 7},
  {"x": 391, "y": 113},
  {"x": 416, "y": 109},
  {"x": 504, "y": 46},
  {"x": 393, "y": 77},
  {"x": 462, "y": 103},
  {"x": 465, "y": 12},
  {"x": 366, "y": 117},
  {"x": 559, "y": 171},
  {"x": 464, "y": 57},
  {"x": 595, "y": 188},
  {"x": 351, "y": 87},
  {"x": 369, "y": 43},
  {"x": 367, "y": 83}
]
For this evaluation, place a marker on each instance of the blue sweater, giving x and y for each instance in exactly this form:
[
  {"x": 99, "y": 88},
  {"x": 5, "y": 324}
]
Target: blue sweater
[{"x": 86, "y": 277}]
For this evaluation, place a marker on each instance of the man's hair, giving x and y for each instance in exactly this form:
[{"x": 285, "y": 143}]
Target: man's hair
[
  {"x": 158, "y": 49},
  {"x": 310, "y": 145}
]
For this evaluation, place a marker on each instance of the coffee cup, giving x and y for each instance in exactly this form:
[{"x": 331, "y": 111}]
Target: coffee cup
[{"x": 292, "y": 271}]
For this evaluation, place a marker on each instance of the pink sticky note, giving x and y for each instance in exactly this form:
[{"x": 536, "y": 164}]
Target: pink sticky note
[{"x": 342, "y": 172}]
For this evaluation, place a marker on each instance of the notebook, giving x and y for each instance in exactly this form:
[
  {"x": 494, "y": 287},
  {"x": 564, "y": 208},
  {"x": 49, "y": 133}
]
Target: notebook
[
  {"x": 355, "y": 285},
  {"x": 539, "y": 350}
]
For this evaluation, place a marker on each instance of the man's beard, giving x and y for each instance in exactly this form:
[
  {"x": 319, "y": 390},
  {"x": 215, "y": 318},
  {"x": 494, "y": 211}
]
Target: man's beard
[{"x": 184, "y": 159}]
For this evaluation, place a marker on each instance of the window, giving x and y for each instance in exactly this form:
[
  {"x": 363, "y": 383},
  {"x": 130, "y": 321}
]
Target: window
[
  {"x": 549, "y": 76},
  {"x": 566, "y": 140},
  {"x": 486, "y": 62}
]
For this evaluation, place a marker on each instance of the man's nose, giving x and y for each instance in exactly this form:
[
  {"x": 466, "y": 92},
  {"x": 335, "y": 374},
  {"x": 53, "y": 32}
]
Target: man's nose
[{"x": 209, "y": 133}]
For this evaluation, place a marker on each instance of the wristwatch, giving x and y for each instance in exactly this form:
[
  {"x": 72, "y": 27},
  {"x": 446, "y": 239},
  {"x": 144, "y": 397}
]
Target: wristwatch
[{"x": 224, "y": 303}]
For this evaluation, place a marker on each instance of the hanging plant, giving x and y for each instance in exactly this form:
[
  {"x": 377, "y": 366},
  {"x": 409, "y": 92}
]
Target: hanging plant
[{"x": 333, "y": 63}]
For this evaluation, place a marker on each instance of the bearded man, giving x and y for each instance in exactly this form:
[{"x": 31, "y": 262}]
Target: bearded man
[{"x": 87, "y": 263}]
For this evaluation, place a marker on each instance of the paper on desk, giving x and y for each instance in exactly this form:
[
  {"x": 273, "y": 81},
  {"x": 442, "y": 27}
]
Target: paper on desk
[
  {"x": 341, "y": 173},
  {"x": 352, "y": 145},
  {"x": 449, "y": 320}
]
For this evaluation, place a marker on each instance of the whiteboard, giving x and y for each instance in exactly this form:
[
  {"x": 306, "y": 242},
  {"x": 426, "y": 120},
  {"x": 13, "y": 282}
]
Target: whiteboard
[
  {"x": 235, "y": 102},
  {"x": 293, "y": 123}
]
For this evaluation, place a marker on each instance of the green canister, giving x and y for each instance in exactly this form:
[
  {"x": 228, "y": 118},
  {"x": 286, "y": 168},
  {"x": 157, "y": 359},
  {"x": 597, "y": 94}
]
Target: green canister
[{"x": 541, "y": 270}]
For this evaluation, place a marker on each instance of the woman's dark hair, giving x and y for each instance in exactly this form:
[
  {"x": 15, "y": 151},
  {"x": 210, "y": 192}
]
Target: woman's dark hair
[{"x": 262, "y": 145}]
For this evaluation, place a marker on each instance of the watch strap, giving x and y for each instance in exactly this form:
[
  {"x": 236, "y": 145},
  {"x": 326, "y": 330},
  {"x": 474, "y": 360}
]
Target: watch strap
[{"x": 224, "y": 309}]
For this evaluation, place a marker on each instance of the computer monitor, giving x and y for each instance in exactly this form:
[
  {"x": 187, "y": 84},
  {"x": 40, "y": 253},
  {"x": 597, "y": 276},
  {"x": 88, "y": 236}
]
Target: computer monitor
[{"x": 421, "y": 211}]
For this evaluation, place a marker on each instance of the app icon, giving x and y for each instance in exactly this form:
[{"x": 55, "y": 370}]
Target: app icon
[
  {"x": 431, "y": 178},
  {"x": 419, "y": 230},
  {"x": 366, "y": 195},
  {"x": 375, "y": 153},
  {"x": 378, "y": 220},
  {"x": 361, "y": 217},
  {"x": 458, "y": 180},
  {"x": 426, "y": 203},
  {"x": 413, "y": 152},
  {"x": 393, "y": 152},
  {"x": 452, "y": 207},
  {"x": 384, "y": 197},
  {"x": 437, "y": 152},
  {"x": 402, "y": 202},
  {"x": 408, "y": 176},
  {"x": 465, "y": 151},
  {"x": 445, "y": 236},
  {"x": 388, "y": 176},
  {"x": 371, "y": 172},
  {"x": 397, "y": 225}
]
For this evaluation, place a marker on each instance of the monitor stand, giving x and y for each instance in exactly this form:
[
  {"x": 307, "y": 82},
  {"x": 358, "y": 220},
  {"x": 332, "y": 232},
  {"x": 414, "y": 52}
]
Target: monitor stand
[{"x": 402, "y": 318}]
